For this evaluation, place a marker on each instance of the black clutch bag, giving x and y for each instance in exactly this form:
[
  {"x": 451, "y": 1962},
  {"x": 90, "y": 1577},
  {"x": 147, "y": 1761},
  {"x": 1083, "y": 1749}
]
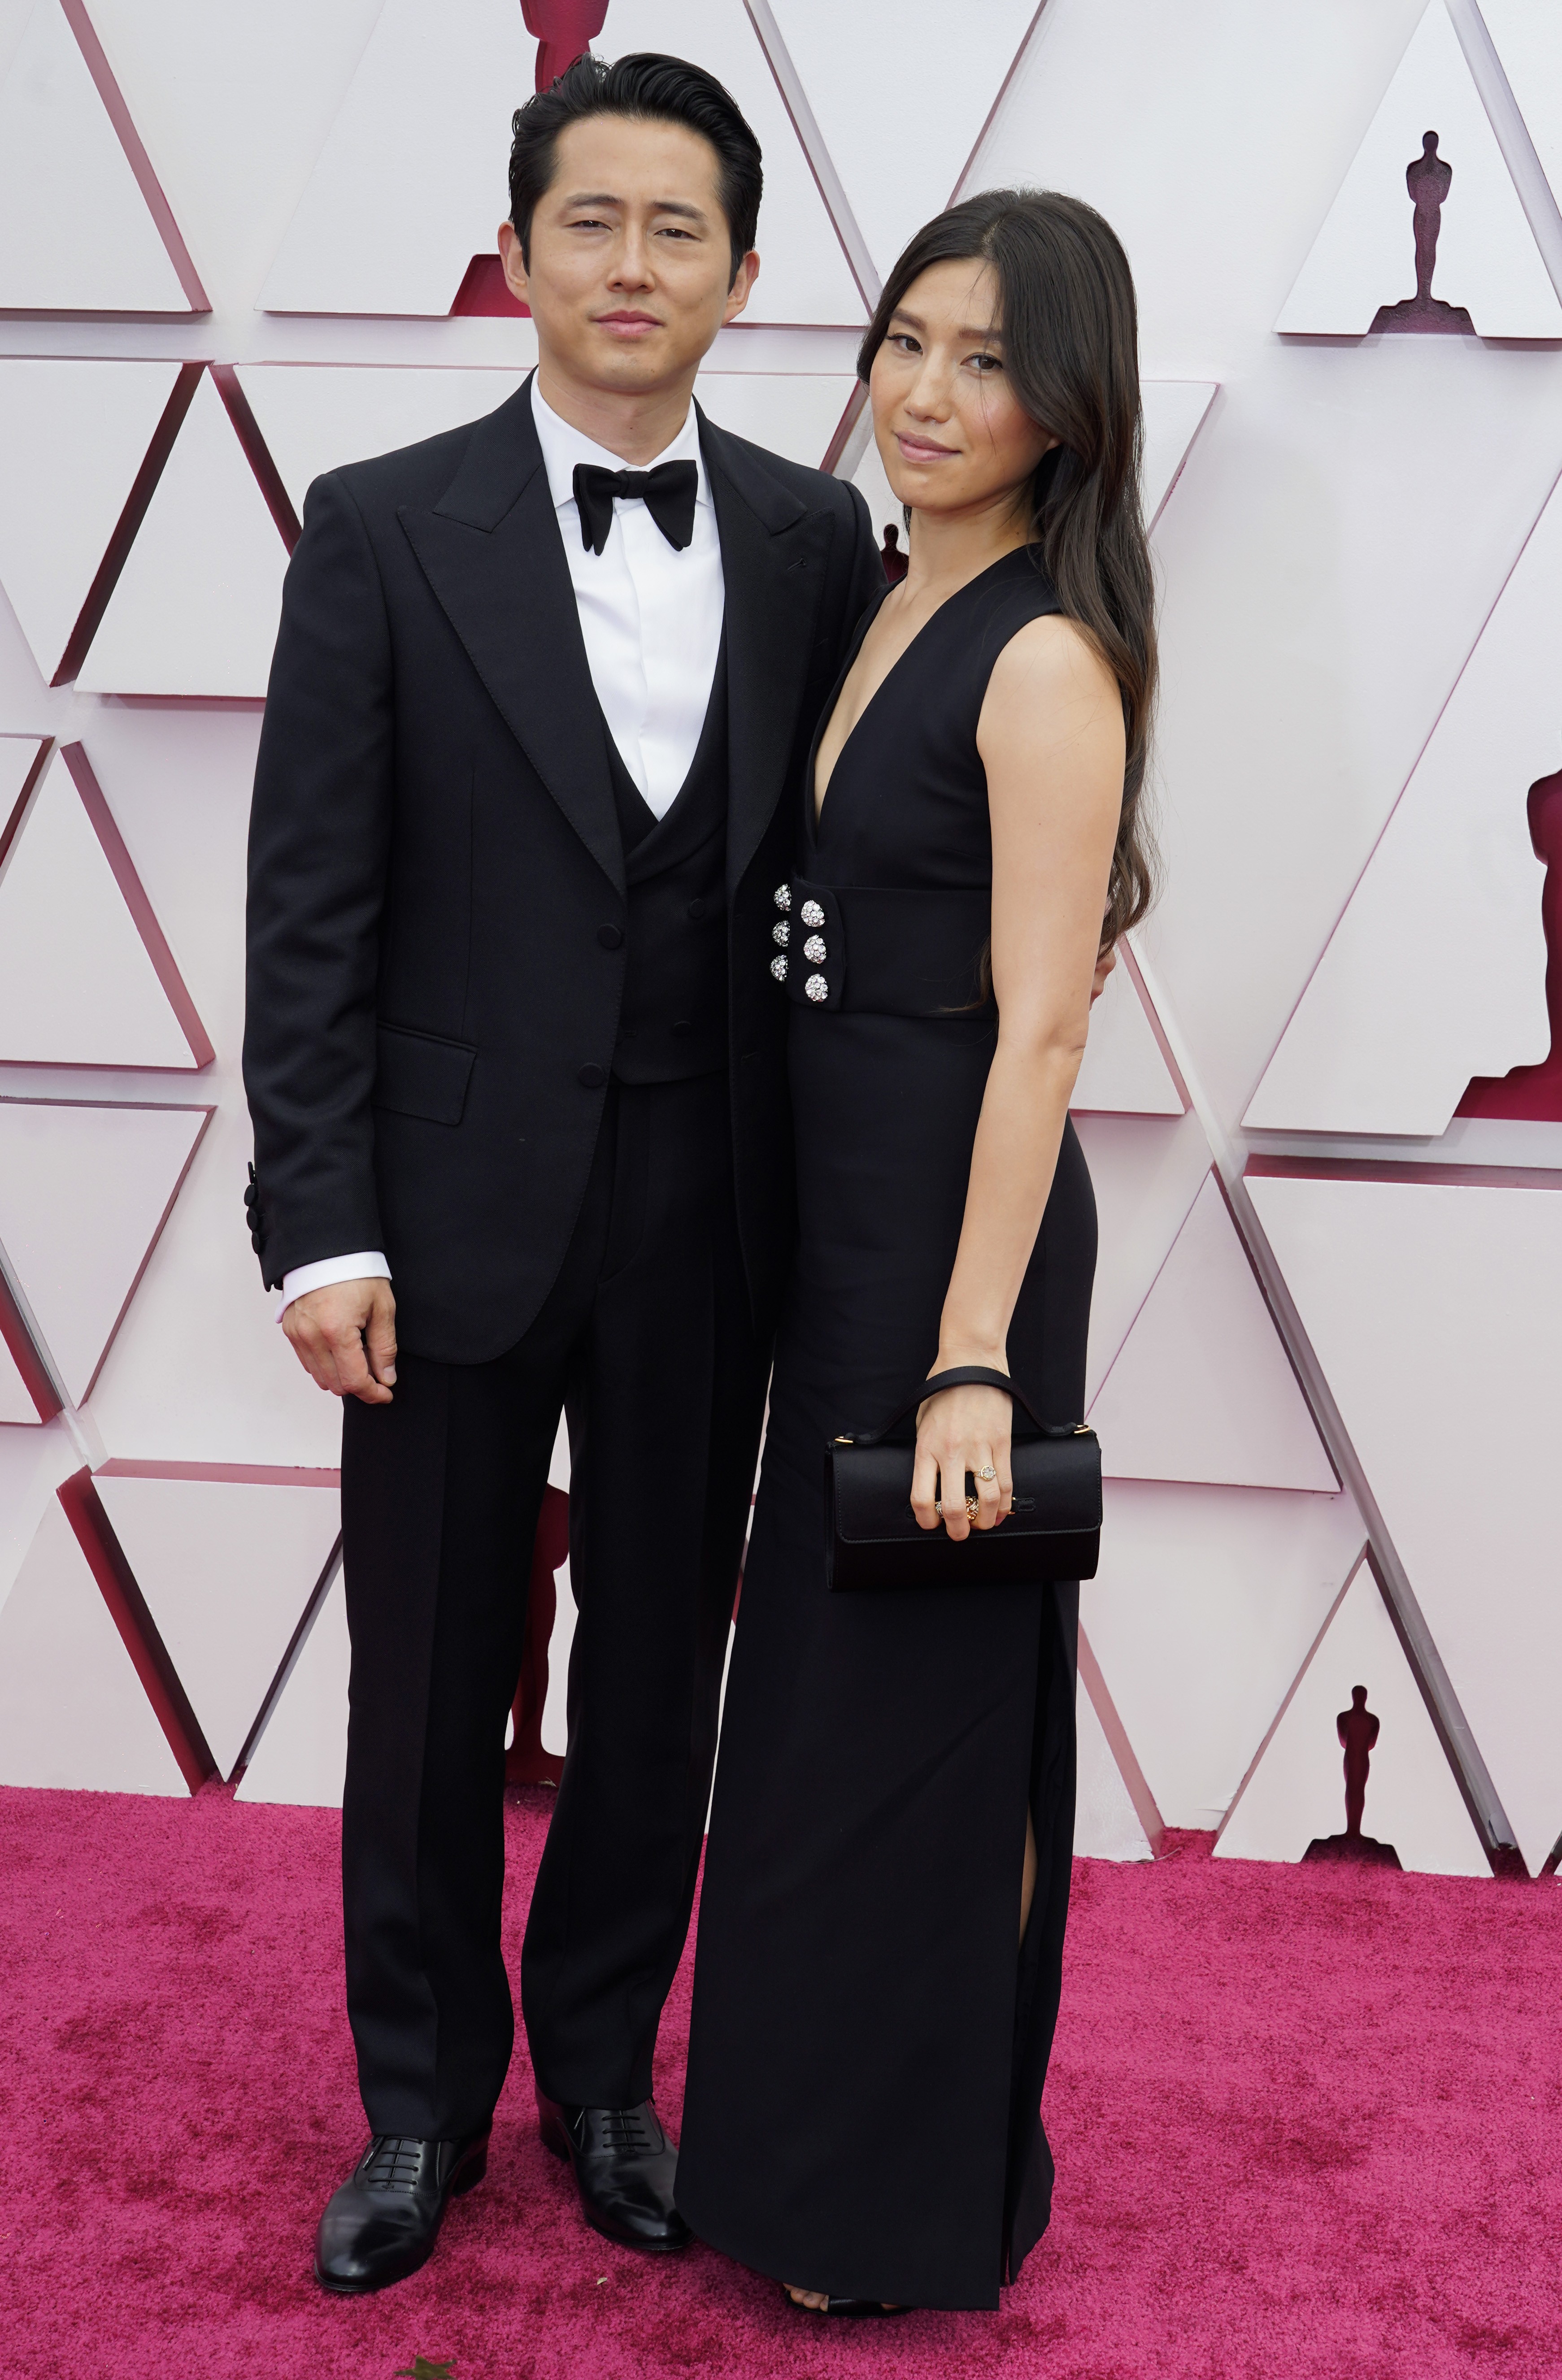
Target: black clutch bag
[{"x": 1054, "y": 1532}]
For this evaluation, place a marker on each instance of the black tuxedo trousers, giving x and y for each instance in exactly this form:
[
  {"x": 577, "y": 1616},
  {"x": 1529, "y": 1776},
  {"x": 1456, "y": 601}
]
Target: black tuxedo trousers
[{"x": 645, "y": 1340}]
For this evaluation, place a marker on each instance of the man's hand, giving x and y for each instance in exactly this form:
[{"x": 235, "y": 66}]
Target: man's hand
[{"x": 345, "y": 1338}]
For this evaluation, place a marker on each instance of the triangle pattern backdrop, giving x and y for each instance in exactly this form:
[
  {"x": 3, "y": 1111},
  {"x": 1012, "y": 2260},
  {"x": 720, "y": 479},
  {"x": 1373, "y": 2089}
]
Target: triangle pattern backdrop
[
  {"x": 1106, "y": 1825},
  {"x": 72, "y": 424},
  {"x": 1453, "y": 1402},
  {"x": 864, "y": 72},
  {"x": 1529, "y": 42},
  {"x": 1203, "y": 1388},
  {"x": 435, "y": 88},
  {"x": 1295, "y": 1792},
  {"x": 194, "y": 611},
  {"x": 85, "y": 1190},
  {"x": 77, "y": 233},
  {"x": 83, "y": 964},
  {"x": 1124, "y": 1071},
  {"x": 1436, "y": 971},
  {"x": 72, "y": 1710},
  {"x": 1364, "y": 255},
  {"x": 226, "y": 1567},
  {"x": 17, "y": 1406},
  {"x": 427, "y": 85},
  {"x": 1201, "y": 1615},
  {"x": 303, "y": 1752}
]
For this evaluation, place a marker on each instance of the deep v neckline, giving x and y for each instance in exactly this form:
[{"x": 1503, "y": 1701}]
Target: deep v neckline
[{"x": 817, "y": 801}]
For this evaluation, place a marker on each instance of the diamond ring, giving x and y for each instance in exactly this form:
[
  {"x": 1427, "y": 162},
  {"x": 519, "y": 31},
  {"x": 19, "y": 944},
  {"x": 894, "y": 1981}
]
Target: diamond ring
[{"x": 986, "y": 1471}]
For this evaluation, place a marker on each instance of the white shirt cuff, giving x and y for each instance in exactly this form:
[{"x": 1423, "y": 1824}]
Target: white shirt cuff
[{"x": 368, "y": 1264}]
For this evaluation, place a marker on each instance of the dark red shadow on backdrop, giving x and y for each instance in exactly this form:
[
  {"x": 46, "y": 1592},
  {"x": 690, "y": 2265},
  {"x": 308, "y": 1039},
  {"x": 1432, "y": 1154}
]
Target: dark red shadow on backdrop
[
  {"x": 1533, "y": 1094},
  {"x": 526, "y": 1763}
]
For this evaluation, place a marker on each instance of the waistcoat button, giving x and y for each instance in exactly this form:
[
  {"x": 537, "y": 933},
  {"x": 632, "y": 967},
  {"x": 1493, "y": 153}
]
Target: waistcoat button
[
  {"x": 610, "y": 937},
  {"x": 697, "y": 910},
  {"x": 593, "y": 1077}
]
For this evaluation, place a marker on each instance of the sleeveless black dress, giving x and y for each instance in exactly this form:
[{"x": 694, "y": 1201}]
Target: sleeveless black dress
[{"x": 869, "y": 2038}]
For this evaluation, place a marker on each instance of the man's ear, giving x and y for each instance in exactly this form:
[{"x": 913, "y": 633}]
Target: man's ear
[
  {"x": 514, "y": 262},
  {"x": 743, "y": 281}
]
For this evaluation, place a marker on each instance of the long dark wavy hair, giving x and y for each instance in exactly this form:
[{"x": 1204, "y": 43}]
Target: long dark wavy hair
[{"x": 1070, "y": 346}]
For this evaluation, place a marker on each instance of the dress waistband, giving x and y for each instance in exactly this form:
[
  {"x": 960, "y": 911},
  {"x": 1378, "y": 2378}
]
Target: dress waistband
[{"x": 884, "y": 950}]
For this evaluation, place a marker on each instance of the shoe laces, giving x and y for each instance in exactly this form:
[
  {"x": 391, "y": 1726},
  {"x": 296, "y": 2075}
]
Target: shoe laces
[
  {"x": 393, "y": 2163},
  {"x": 628, "y": 2130}
]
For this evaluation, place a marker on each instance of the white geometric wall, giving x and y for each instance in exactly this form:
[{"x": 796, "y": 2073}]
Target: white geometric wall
[{"x": 1326, "y": 1346}]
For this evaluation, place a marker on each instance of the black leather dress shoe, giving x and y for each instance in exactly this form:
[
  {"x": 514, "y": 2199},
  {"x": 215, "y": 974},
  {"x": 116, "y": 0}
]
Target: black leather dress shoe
[
  {"x": 382, "y": 2225},
  {"x": 625, "y": 2167}
]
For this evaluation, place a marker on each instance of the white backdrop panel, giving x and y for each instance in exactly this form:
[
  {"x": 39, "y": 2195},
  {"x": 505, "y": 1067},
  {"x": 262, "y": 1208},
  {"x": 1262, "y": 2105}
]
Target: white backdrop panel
[
  {"x": 85, "y": 1189},
  {"x": 302, "y": 1753},
  {"x": 195, "y": 609},
  {"x": 1106, "y": 1825},
  {"x": 1437, "y": 972},
  {"x": 425, "y": 125},
  {"x": 1124, "y": 1071},
  {"x": 76, "y": 233},
  {"x": 865, "y": 72},
  {"x": 1295, "y": 1793},
  {"x": 73, "y": 434},
  {"x": 226, "y": 1568},
  {"x": 1528, "y": 35},
  {"x": 1364, "y": 255},
  {"x": 1203, "y": 1388},
  {"x": 79, "y": 985},
  {"x": 315, "y": 418},
  {"x": 72, "y": 1712},
  {"x": 1201, "y": 1614},
  {"x": 1436, "y": 1313},
  {"x": 1146, "y": 1173}
]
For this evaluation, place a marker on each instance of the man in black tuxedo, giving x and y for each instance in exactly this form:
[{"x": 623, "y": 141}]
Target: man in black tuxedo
[{"x": 524, "y": 792}]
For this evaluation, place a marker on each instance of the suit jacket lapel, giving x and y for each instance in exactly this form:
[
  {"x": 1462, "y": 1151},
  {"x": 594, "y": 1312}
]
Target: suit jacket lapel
[
  {"x": 774, "y": 551},
  {"x": 492, "y": 552}
]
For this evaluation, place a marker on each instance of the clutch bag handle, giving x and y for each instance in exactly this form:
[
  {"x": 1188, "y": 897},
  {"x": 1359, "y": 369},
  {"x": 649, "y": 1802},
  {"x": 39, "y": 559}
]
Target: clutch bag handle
[{"x": 965, "y": 1376}]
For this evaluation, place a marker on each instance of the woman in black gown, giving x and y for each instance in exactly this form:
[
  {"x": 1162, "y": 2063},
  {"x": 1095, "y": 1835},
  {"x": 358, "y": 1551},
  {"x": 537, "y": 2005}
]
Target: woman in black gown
[{"x": 895, "y": 1788}]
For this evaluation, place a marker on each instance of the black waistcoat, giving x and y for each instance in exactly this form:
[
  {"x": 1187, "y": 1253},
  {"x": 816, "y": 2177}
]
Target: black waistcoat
[{"x": 673, "y": 1020}]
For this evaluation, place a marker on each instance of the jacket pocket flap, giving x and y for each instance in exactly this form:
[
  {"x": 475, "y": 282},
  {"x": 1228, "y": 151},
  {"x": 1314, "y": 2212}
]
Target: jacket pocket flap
[{"x": 418, "y": 1076}]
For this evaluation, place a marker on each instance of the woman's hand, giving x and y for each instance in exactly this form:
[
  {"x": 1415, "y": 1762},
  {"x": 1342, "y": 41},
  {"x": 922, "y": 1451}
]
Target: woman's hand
[{"x": 960, "y": 1431}]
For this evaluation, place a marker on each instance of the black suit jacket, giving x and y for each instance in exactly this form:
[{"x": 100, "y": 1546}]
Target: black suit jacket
[{"x": 434, "y": 848}]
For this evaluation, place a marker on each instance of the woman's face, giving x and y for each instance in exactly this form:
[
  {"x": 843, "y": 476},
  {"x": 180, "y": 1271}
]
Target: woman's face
[{"x": 950, "y": 431}]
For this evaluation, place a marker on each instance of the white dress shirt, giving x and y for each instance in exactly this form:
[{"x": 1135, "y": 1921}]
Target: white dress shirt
[
  {"x": 651, "y": 619},
  {"x": 650, "y": 615}
]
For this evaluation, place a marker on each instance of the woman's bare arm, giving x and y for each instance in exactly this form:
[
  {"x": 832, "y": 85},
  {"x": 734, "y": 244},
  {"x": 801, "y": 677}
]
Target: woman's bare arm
[{"x": 1051, "y": 738}]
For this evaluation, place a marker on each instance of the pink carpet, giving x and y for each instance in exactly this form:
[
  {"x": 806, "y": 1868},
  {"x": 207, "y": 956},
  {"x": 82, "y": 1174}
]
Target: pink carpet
[{"x": 1306, "y": 2124}]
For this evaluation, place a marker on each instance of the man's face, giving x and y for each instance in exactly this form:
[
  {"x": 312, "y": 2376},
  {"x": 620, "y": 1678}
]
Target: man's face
[{"x": 630, "y": 273}]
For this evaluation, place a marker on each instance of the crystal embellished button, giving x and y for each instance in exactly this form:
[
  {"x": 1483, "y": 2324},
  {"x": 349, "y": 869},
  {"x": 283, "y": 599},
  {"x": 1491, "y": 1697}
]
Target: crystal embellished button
[
  {"x": 781, "y": 932},
  {"x": 816, "y": 987},
  {"x": 813, "y": 915},
  {"x": 778, "y": 969},
  {"x": 782, "y": 896},
  {"x": 814, "y": 949}
]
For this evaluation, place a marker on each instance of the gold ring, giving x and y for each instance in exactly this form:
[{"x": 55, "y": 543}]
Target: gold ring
[
  {"x": 986, "y": 1471},
  {"x": 972, "y": 1508}
]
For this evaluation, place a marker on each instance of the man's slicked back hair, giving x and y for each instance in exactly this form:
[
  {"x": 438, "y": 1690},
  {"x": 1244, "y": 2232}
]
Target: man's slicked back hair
[{"x": 653, "y": 89}]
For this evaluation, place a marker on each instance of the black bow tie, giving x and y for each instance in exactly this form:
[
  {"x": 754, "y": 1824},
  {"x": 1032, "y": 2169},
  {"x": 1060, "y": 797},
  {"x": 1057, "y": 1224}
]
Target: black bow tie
[{"x": 669, "y": 491}]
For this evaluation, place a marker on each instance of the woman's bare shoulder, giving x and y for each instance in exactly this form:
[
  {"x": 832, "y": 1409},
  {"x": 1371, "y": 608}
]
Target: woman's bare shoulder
[
  {"x": 1049, "y": 684},
  {"x": 1052, "y": 656}
]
